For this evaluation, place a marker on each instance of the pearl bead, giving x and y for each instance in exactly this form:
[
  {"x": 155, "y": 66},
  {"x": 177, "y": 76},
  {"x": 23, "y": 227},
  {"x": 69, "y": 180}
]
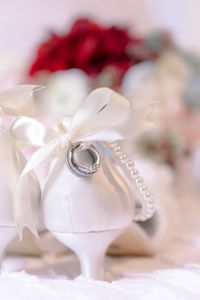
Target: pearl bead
[
  {"x": 130, "y": 164},
  {"x": 123, "y": 157},
  {"x": 139, "y": 180},
  {"x": 143, "y": 188},
  {"x": 147, "y": 203},
  {"x": 150, "y": 201},
  {"x": 117, "y": 149},
  {"x": 148, "y": 194},
  {"x": 134, "y": 172}
]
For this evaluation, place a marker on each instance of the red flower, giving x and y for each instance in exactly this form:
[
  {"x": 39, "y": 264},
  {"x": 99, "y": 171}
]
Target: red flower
[{"x": 88, "y": 46}]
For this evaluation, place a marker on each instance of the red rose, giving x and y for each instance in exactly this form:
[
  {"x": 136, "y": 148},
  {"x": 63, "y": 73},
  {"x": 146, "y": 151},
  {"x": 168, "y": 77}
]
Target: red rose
[{"x": 89, "y": 47}]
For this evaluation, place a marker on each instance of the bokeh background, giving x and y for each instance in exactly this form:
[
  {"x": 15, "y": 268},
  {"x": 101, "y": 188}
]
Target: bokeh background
[
  {"x": 167, "y": 70},
  {"x": 25, "y": 23}
]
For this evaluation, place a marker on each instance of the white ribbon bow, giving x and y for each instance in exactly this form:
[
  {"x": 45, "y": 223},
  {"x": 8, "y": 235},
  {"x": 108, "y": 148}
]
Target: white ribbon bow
[
  {"x": 25, "y": 131},
  {"x": 22, "y": 101},
  {"x": 103, "y": 116}
]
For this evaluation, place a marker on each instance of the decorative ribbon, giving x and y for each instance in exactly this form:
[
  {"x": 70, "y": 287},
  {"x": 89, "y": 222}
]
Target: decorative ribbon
[
  {"x": 25, "y": 131},
  {"x": 103, "y": 116},
  {"x": 20, "y": 100}
]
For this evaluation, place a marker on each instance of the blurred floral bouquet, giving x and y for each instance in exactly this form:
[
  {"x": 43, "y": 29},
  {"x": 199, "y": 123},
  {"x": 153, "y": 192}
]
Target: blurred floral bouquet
[
  {"x": 149, "y": 68},
  {"x": 143, "y": 68},
  {"x": 103, "y": 53}
]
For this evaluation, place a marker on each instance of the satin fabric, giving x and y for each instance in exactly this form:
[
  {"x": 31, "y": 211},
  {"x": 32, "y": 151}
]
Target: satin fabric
[
  {"x": 103, "y": 116},
  {"x": 20, "y": 100},
  {"x": 25, "y": 131},
  {"x": 12, "y": 164}
]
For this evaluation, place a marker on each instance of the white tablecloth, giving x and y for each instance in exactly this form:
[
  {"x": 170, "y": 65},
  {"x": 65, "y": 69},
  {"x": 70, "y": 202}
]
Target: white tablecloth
[{"x": 173, "y": 274}]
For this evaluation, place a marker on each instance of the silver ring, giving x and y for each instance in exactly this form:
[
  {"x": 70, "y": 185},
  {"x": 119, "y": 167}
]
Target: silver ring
[{"x": 82, "y": 162}]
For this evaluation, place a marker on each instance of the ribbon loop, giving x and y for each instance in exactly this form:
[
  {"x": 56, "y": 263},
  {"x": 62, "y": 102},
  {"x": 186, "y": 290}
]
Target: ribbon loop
[
  {"x": 28, "y": 132},
  {"x": 20, "y": 100}
]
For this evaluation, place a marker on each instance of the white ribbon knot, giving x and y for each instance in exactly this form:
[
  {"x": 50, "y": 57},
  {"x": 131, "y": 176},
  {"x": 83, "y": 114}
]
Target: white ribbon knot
[{"x": 64, "y": 142}]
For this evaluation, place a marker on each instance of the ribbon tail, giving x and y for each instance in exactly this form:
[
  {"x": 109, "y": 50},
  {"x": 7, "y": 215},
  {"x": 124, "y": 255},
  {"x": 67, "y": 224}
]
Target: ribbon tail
[
  {"x": 41, "y": 156},
  {"x": 26, "y": 210},
  {"x": 32, "y": 227},
  {"x": 23, "y": 194}
]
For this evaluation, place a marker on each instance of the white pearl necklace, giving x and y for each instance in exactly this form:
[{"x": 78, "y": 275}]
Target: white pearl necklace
[{"x": 147, "y": 202}]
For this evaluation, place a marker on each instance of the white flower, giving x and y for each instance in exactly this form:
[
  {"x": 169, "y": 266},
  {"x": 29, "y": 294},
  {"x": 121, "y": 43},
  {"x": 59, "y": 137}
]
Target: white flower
[
  {"x": 162, "y": 80},
  {"x": 65, "y": 92}
]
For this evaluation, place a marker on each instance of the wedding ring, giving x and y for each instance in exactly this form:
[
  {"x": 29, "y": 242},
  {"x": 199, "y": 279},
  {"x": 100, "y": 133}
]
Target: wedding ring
[{"x": 82, "y": 162}]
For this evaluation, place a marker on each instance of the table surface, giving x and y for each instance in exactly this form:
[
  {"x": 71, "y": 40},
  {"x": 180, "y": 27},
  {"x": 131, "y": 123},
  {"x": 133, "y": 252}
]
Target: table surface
[{"x": 172, "y": 274}]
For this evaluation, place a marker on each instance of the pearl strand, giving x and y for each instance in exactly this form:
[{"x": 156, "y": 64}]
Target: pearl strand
[{"x": 147, "y": 202}]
